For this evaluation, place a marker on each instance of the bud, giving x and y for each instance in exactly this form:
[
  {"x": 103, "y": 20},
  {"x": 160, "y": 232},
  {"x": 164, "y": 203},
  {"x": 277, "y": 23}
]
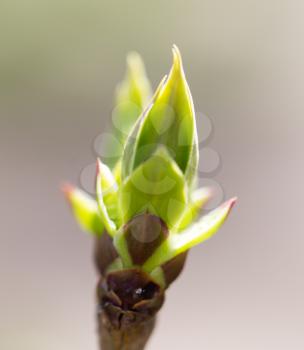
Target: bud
[
  {"x": 144, "y": 214},
  {"x": 147, "y": 205}
]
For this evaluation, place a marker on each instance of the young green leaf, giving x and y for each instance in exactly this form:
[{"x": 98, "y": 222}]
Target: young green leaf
[
  {"x": 157, "y": 186},
  {"x": 132, "y": 96},
  {"x": 198, "y": 198},
  {"x": 197, "y": 233},
  {"x": 134, "y": 89},
  {"x": 109, "y": 186},
  {"x": 85, "y": 209},
  {"x": 106, "y": 192},
  {"x": 170, "y": 121},
  {"x": 132, "y": 140}
]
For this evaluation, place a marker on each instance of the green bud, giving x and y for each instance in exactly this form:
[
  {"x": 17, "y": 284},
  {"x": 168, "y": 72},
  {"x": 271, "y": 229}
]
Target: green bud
[{"x": 148, "y": 205}]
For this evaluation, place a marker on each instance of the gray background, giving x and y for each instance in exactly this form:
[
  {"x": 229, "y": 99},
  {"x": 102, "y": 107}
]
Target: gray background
[{"x": 59, "y": 63}]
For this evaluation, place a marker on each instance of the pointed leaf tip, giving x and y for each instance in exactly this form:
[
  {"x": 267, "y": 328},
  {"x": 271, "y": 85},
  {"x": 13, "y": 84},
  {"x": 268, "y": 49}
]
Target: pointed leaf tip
[
  {"x": 230, "y": 203},
  {"x": 67, "y": 190},
  {"x": 135, "y": 64},
  {"x": 84, "y": 209},
  {"x": 195, "y": 234},
  {"x": 169, "y": 120},
  {"x": 204, "y": 228},
  {"x": 177, "y": 58}
]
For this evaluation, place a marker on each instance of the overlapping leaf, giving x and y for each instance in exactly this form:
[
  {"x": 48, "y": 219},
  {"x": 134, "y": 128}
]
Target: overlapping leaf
[
  {"x": 132, "y": 96},
  {"x": 169, "y": 121},
  {"x": 157, "y": 186}
]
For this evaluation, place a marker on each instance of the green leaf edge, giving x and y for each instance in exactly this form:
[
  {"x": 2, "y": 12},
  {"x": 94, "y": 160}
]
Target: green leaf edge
[
  {"x": 85, "y": 209},
  {"x": 177, "y": 244},
  {"x": 109, "y": 224}
]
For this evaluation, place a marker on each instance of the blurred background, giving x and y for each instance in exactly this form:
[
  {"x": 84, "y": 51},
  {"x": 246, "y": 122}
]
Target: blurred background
[{"x": 60, "y": 61}]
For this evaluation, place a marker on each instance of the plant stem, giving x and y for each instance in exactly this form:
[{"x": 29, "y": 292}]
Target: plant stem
[
  {"x": 133, "y": 337},
  {"x": 128, "y": 301}
]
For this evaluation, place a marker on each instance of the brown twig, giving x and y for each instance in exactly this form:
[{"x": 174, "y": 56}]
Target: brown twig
[{"x": 132, "y": 338}]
